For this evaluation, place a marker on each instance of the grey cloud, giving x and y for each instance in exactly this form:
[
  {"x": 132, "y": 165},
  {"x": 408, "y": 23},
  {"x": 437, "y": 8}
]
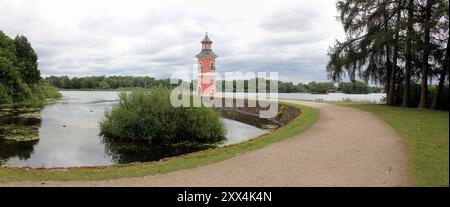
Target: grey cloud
[
  {"x": 158, "y": 42},
  {"x": 290, "y": 20}
]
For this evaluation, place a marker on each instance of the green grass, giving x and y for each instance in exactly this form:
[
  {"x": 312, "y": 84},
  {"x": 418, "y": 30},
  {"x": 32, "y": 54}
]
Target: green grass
[
  {"x": 307, "y": 118},
  {"x": 426, "y": 134}
]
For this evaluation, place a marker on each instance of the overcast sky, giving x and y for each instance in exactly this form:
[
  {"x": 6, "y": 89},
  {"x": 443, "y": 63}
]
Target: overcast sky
[{"x": 156, "y": 38}]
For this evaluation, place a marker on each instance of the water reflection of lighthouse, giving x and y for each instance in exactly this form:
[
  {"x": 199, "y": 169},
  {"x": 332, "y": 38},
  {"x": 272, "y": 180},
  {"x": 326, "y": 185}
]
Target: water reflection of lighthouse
[{"x": 206, "y": 59}]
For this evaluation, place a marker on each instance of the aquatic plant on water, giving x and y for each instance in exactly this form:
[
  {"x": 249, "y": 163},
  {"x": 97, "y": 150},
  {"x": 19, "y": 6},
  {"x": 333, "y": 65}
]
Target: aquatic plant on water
[{"x": 20, "y": 124}]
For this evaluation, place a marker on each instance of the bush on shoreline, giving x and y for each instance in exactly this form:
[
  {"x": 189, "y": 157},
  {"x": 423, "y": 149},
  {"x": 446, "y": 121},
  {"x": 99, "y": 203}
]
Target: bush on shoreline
[
  {"x": 28, "y": 95},
  {"x": 147, "y": 116}
]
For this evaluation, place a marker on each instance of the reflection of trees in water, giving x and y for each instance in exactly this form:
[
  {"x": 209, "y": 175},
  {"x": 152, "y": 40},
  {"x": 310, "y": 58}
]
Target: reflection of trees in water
[
  {"x": 126, "y": 152},
  {"x": 11, "y": 148},
  {"x": 19, "y": 132}
]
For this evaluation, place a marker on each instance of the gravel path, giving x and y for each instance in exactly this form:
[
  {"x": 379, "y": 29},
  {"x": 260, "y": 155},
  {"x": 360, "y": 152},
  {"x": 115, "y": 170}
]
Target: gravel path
[{"x": 346, "y": 147}]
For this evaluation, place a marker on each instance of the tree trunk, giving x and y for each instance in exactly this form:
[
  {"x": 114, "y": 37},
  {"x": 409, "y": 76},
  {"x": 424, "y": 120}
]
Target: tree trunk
[
  {"x": 391, "y": 94},
  {"x": 408, "y": 68},
  {"x": 437, "y": 97},
  {"x": 389, "y": 72},
  {"x": 388, "y": 59},
  {"x": 426, "y": 54}
]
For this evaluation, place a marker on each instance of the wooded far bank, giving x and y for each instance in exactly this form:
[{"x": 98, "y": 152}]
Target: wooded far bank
[{"x": 123, "y": 82}]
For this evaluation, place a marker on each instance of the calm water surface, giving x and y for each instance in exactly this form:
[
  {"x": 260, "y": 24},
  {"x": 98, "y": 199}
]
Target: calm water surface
[
  {"x": 68, "y": 136},
  {"x": 67, "y": 132}
]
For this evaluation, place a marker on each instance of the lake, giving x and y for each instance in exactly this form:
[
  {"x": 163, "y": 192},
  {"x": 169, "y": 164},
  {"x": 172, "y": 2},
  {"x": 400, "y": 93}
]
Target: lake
[{"x": 68, "y": 135}]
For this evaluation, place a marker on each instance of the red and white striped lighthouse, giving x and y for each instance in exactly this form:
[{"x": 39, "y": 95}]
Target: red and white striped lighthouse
[{"x": 207, "y": 64}]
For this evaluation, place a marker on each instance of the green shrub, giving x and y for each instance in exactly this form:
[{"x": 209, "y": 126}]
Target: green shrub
[
  {"x": 24, "y": 94},
  {"x": 45, "y": 91},
  {"x": 5, "y": 97},
  {"x": 147, "y": 116}
]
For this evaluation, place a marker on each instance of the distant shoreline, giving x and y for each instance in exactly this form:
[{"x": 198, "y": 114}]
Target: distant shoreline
[
  {"x": 129, "y": 89},
  {"x": 88, "y": 89}
]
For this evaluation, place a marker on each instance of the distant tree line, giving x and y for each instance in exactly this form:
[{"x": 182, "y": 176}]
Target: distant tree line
[
  {"x": 103, "y": 82},
  {"x": 354, "y": 87},
  {"x": 20, "y": 80},
  {"x": 401, "y": 44},
  {"x": 357, "y": 87},
  {"x": 123, "y": 82}
]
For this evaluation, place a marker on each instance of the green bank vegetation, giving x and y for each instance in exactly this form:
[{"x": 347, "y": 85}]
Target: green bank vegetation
[
  {"x": 106, "y": 82},
  {"x": 20, "y": 80},
  {"x": 357, "y": 87},
  {"x": 306, "y": 119},
  {"x": 130, "y": 82},
  {"x": 426, "y": 134}
]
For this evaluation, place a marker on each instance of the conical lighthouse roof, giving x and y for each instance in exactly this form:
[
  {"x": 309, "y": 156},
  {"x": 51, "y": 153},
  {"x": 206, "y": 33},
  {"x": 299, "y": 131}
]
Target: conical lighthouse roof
[
  {"x": 206, "y": 39},
  {"x": 206, "y": 51}
]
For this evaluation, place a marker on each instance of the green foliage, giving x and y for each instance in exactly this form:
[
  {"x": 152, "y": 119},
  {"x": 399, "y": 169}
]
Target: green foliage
[
  {"x": 283, "y": 87},
  {"x": 320, "y": 87},
  {"x": 8, "y": 73},
  {"x": 7, "y": 47},
  {"x": 289, "y": 87},
  {"x": 104, "y": 85},
  {"x": 403, "y": 42},
  {"x": 102, "y": 82},
  {"x": 5, "y": 96},
  {"x": 357, "y": 87},
  {"x": 121, "y": 82},
  {"x": 20, "y": 80},
  {"x": 148, "y": 116},
  {"x": 44, "y": 91},
  {"x": 26, "y": 60}
]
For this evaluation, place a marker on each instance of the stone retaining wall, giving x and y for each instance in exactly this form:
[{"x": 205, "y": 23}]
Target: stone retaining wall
[{"x": 250, "y": 115}]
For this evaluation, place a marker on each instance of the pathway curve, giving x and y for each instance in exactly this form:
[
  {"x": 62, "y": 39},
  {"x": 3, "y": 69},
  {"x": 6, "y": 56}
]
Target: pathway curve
[{"x": 346, "y": 147}]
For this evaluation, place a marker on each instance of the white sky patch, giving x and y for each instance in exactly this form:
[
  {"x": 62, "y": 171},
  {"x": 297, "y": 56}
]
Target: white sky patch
[{"x": 134, "y": 37}]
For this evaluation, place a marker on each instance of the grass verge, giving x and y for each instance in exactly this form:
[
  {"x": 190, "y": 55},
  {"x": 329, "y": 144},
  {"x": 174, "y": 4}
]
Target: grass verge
[
  {"x": 426, "y": 134},
  {"x": 306, "y": 119}
]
